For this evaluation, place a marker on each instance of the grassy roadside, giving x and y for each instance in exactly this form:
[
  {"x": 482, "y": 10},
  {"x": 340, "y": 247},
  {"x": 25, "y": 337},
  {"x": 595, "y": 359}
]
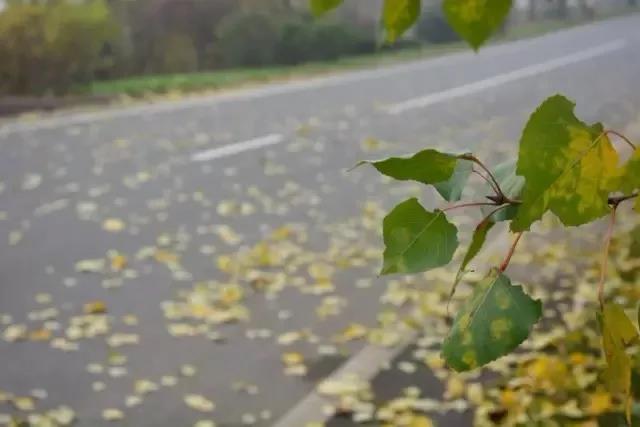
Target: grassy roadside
[{"x": 223, "y": 79}]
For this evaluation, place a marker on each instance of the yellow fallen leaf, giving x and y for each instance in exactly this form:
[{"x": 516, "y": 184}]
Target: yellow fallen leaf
[
  {"x": 95, "y": 307},
  {"x": 113, "y": 225},
  {"x": 112, "y": 414},
  {"x": 199, "y": 403}
]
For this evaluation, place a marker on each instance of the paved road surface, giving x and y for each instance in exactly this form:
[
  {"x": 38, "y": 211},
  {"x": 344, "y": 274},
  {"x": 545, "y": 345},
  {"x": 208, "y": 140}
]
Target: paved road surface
[{"x": 168, "y": 173}]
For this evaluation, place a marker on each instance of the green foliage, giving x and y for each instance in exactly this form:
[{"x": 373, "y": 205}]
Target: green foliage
[
  {"x": 433, "y": 27},
  {"x": 318, "y": 7},
  {"x": 477, "y": 241},
  {"x": 178, "y": 54},
  {"x": 47, "y": 47},
  {"x": 441, "y": 167},
  {"x": 564, "y": 166},
  {"x": 495, "y": 320},
  {"x": 451, "y": 189},
  {"x": 398, "y": 16},
  {"x": 627, "y": 179},
  {"x": 476, "y": 20},
  {"x": 511, "y": 185},
  {"x": 417, "y": 240},
  {"x": 247, "y": 38},
  {"x": 567, "y": 166}
]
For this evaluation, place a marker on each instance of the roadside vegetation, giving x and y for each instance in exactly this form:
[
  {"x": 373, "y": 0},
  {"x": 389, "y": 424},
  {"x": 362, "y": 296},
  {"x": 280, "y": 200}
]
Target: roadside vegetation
[{"x": 103, "y": 49}]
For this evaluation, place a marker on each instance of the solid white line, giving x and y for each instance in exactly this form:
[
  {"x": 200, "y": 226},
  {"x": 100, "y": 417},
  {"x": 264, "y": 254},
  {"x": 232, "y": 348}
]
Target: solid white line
[
  {"x": 500, "y": 79},
  {"x": 238, "y": 147}
]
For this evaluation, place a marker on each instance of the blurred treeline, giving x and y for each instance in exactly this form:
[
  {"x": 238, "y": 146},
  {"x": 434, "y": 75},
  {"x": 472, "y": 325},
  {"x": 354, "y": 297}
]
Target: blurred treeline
[{"x": 52, "y": 46}]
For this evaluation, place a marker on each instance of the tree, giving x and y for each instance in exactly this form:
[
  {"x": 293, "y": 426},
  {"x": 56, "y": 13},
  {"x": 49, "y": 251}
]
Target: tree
[{"x": 564, "y": 167}]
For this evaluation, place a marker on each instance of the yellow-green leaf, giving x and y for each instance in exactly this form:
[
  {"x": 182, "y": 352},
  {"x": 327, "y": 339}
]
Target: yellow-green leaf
[
  {"x": 399, "y": 16},
  {"x": 617, "y": 333},
  {"x": 567, "y": 165},
  {"x": 628, "y": 178},
  {"x": 319, "y": 7},
  {"x": 476, "y": 20},
  {"x": 416, "y": 240},
  {"x": 495, "y": 320}
]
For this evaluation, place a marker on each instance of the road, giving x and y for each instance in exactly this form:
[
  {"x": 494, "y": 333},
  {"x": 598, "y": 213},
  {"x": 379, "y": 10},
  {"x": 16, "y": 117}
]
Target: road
[{"x": 238, "y": 205}]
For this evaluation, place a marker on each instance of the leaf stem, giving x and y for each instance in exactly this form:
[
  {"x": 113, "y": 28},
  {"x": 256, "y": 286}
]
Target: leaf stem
[
  {"x": 488, "y": 217},
  {"x": 615, "y": 201},
  {"x": 477, "y": 161},
  {"x": 621, "y": 136},
  {"x": 507, "y": 259},
  {"x": 487, "y": 180},
  {"x": 467, "y": 205},
  {"x": 605, "y": 255}
]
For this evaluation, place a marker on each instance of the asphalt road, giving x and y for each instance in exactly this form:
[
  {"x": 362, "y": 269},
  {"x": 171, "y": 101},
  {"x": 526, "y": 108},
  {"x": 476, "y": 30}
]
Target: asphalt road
[{"x": 154, "y": 182}]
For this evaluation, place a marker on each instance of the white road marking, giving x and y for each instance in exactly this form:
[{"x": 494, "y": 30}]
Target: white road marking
[
  {"x": 365, "y": 365},
  {"x": 500, "y": 79},
  {"x": 238, "y": 147}
]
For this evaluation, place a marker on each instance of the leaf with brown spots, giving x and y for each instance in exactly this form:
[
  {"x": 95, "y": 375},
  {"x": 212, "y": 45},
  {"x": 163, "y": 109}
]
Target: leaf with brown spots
[{"x": 495, "y": 320}]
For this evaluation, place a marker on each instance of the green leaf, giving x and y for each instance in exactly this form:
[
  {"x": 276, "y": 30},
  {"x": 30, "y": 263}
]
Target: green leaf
[
  {"x": 511, "y": 185},
  {"x": 417, "y": 240},
  {"x": 320, "y": 7},
  {"x": 398, "y": 16},
  {"x": 476, "y": 20},
  {"x": 567, "y": 165},
  {"x": 427, "y": 167},
  {"x": 617, "y": 334},
  {"x": 477, "y": 241},
  {"x": 495, "y": 320},
  {"x": 451, "y": 189}
]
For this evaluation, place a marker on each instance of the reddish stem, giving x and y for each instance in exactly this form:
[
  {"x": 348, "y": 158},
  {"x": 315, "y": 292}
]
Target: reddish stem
[
  {"x": 605, "y": 255},
  {"x": 487, "y": 180},
  {"x": 477, "y": 161},
  {"x": 507, "y": 259},
  {"x": 467, "y": 205},
  {"x": 621, "y": 136}
]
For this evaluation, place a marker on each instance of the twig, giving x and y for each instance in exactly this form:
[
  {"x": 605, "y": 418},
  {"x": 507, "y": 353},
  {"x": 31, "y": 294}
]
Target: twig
[
  {"x": 621, "y": 136},
  {"x": 487, "y": 180},
  {"x": 477, "y": 161},
  {"x": 467, "y": 205},
  {"x": 507, "y": 259},
  {"x": 605, "y": 256},
  {"x": 486, "y": 218},
  {"x": 615, "y": 201}
]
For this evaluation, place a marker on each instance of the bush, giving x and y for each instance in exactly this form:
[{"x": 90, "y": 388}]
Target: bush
[
  {"x": 254, "y": 39},
  {"x": 247, "y": 39},
  {"x": 295, "y": 39},
  {"x": 177, "y": 54},
  {"x": 434, "y": 28},
  {"x": 330, "y": 40},
  {"x": 47, "y": 48}
]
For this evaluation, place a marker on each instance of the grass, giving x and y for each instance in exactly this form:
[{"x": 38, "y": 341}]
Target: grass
[{"x": 223, "y": 79}]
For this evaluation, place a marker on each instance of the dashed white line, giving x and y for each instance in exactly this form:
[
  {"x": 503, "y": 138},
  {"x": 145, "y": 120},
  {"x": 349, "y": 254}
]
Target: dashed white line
[
  {"x": 500, "y": 79},
  {"x": 238, "y": 147}
]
